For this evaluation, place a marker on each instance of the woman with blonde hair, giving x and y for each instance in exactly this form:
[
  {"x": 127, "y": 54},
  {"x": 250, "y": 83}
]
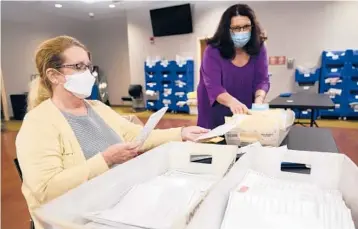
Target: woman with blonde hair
[{"x": 66, "y": 140}]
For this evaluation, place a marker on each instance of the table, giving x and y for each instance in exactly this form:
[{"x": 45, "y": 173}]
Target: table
[
  {"x": 303, "y": 139},
  {"x": 304, "y": 101},
  {"x": 310, "y": 139}
]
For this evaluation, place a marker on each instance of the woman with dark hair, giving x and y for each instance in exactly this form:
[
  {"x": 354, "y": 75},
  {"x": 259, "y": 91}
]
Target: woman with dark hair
[{"x": 234, "y": 71}]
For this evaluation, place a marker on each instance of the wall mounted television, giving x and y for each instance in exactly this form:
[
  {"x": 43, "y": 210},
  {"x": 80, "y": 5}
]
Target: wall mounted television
[{"x": 172, "y": 20}]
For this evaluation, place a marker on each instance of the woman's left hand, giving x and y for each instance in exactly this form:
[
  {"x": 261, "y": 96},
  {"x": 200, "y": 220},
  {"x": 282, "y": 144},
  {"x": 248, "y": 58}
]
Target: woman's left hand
[{"x": 192, "y": 132}]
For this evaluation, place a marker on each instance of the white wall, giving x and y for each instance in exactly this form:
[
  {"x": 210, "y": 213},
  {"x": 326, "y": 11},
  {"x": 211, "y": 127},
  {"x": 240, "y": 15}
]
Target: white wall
[
  {"x": 299, "y": 30},
  {"x": 19, "y": 41},
  {"x": 109, "y": 46}
]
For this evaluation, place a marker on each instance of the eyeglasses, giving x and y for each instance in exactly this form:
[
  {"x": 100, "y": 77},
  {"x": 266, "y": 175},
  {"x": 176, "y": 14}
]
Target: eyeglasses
[
  {"x": 79, "y": 67},
  {"x": 244, "y": 28}
]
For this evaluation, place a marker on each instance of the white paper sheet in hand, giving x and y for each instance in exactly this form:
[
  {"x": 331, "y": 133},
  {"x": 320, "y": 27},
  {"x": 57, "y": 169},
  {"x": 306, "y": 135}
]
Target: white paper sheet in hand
[
  {"x": 150, "y": 125},
  {"x": 223, "y": 129}
]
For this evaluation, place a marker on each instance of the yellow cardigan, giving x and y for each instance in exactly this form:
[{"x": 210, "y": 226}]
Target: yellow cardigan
[{"x": 51, "y": 158}]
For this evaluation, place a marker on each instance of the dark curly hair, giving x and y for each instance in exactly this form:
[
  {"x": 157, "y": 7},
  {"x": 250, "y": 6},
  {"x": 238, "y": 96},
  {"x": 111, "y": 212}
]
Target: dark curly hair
[{"x": 222, "y": 37}]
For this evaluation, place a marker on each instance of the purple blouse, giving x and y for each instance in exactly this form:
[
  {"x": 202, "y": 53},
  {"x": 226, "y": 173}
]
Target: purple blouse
[{"x": 218, "y": 75}]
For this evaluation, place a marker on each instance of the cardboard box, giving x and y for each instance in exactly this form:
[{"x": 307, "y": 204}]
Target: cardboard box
[
  {"x": 269, "y": 127},
  {"x": 103, "y": 192},
  {"x": 328, "y": 170}
]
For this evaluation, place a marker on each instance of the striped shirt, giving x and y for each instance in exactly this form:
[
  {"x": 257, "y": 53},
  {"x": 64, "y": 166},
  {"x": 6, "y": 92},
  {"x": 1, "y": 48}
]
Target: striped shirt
[{"x": 92, "y": 133}]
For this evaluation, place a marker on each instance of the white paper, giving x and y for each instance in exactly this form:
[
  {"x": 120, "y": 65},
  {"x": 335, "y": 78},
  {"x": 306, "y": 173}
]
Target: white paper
[
  {"x": 158, "y": 203},
  {"x": 264, "y": 202},
  {"x": 150, "y": 125},
  {"x": 223, "y": 129}
]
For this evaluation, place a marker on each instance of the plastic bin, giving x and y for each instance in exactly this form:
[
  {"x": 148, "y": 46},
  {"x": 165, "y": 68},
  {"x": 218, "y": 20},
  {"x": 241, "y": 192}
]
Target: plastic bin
[
  {"x": 352, "y": 108},
  {"x": 182, "y": 108},
  {"x": 153, "y": 86},
  {"x": 335, "y": 97},
  {"x": 353, "y": 95},
  {"x": 353, "y": 56},
  {"x": 333, "y": 82},
  {"x": 165, "y": 84},
  {"x": 166, "y": 75},
  {"x": 307, "y": 77},
  {"x": 352, "y": 83},
  {"x": 181, "y": 95},
  {"x": 164, "y": 66},
  {"x": 307, "y": 87},
  {"x": 337, "y": 112},
  {"x": 333, "y": 72},
  {"x": 169, "y": 102},
  {"x": 154, "y": 105},
  {"x": 305, "y": 114},
  {"x": 151, "y": 76},
  {"x": 105, "y": 191},
  {"x": 186, "y": 67},
  {"x": 334, "y": 58}
]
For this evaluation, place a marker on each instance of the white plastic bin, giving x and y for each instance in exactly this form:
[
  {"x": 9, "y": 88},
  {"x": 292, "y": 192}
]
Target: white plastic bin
[
  {"x": 103, "y": 192},
  {"x": 328, "y": 171}
]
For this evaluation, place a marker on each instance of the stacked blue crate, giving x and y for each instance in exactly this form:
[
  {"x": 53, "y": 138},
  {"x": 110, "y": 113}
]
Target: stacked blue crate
[
  {"x": 171, "y": 81},
  {"x": 336, "y": 81},
  {"x": 152, "y": 82},
  {"x": 307, "y": 82},
  {"x": 351, "y": 109}
]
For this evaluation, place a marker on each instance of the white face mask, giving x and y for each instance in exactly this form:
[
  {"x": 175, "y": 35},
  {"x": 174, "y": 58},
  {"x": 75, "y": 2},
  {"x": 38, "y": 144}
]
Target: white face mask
[{"x": 80, "y": 84}]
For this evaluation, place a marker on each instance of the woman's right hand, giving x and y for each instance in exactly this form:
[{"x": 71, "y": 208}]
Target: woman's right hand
[
  {"x": 237, "y": 107},
  {"x": 120, "y": 153}
]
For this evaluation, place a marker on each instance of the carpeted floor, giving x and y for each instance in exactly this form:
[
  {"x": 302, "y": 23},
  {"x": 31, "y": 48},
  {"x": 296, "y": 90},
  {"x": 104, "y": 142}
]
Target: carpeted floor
[{"x": 14, "y": 213}]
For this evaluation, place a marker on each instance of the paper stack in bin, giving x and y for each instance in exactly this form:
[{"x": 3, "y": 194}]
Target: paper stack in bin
[
  {"x": 269, "y": 127},
  {"x": 269, "y": 203},
  {"x": 166, "y": 164},
  {"x": 329, "y": 171},
  {"x": 157, "y": 203}
]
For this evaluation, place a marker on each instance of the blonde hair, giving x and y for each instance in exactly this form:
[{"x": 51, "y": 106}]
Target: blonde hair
[{"x": 48, "y": 55}]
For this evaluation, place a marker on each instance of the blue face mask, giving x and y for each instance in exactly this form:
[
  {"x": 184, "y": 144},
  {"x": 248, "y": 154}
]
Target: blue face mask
[{"x": 240, "y": 39}]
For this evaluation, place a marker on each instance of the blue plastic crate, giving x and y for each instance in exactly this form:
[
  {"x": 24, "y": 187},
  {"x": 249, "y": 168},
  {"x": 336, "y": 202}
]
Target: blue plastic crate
[
  {"x": 307, "y": 77},
  {"x": 332, "y": 113},
  {"x": 352, "y": 83},
  {"x": 351, "y": 110},
  {"x": 181, "y": 95},
  {"x": 187, "y": 76},
  {"x": 353, "y": 95},
  {"x": 165, "y": 66},
  {"x": 154, "y": 105},
  {"x": 180, "y": 85},
  {"x": 151, "y": 77},
  {"x": 353, "y": 56},
  {"x": 182, "y": 109},
  {"x": 352, "y": 70},
  {"x": 167, "y": 94},
  {"x": 187, "y": 67},
  {"x": 169, "y": 102},
  {"x": 334, "y": 58},
  {"x": 305, "y": 114},
  {"x": 150, "y": 68},
  {"x": 335, "y": 97},
  {"x": 166, "y": 76},
  {"x": 153, "y": 86},
  {"x": 325, "y": 85},
  {"x": 165, "y": 84},
  {"x": 328, "y": 72}
]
